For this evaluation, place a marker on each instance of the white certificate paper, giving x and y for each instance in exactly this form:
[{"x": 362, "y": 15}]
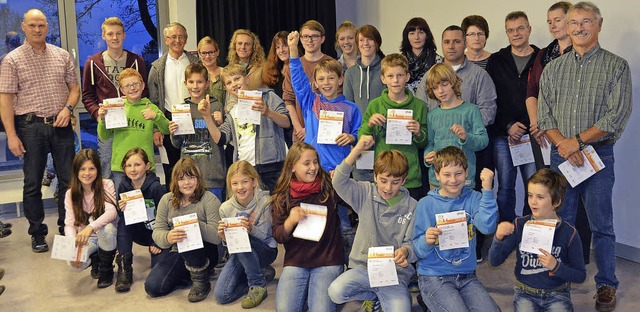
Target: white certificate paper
[
  {"x": 592, "y": 164},
  {"x": 329, "y": 126},
  {"x": 454, "y": 230},
  {"x": 546, "y": 153},
  {"x": 64, "y": 248},
  {"x": 538, "y": 234},
  {"x": 116, "y": 116},
  {"x": 521, "y": 152},
  {"x": 181, "y": 115},
  {"x": 312, "y": 227},
  {"x": 236, "y": 236},
  {"x": 365, "y": 161},
  {"x": 136, "y": 209},
  {"x": 189, "y": 224},
  {"x": 397, "y": 120},
  {"x": 381, "y": 267},
  {"x": 246, "y": 99}
]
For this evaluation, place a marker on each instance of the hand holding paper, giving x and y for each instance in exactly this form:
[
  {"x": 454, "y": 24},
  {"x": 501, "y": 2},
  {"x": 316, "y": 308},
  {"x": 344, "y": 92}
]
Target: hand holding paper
[{"x": 547, "y": 259}]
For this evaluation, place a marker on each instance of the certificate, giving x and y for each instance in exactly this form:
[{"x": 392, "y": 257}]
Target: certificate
[
  {"x": 246, "y": 99},
  {"x": 381, "y": 268},
  {"x": 454, "y": 230},
  {"x": 136, "y": 209},
  {"x": 397, "y": 120},
  {"x": 329, "y": 126},
  {"x": 236, "y": 236},
  {"x": 181, "y": 115},
  {"x": 592, "y": 164},
  {"x": 546, "y": 153},
  {"x": 365, "y": 161},
  {"x": 521, "y": 152},
  {"x": 64, "y": 248},
  {"x": 312, "y": 227},
  {"x": 538, "y": 234},
  {"x": 116, "y": 116},
  {"x": 189, "y": 224}
]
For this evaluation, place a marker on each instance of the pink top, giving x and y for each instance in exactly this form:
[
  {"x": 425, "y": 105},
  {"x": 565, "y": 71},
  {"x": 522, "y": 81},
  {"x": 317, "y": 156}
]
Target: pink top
[{"x": 109, "y": 215}]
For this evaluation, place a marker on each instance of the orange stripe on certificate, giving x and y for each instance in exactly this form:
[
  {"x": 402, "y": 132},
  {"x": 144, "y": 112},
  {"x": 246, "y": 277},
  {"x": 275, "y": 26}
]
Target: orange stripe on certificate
[
  {"x": 591, "y": 161},
  {"x": 451, "y": 221},
  {"x": 187, "y": 222},
  {"x": 542, "y": 222}
]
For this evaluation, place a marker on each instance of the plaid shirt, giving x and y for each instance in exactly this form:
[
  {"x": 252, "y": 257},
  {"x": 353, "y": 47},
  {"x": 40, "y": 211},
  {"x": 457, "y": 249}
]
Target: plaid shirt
[
  {"x": 577, "y": 93},
  {"x": 40, "y": 82}
]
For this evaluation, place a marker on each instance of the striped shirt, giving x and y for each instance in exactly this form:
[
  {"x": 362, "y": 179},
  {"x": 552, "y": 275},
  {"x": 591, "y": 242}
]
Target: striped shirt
[
  {"x": 577, "y": 93},
  {"x": 39, "y": 81}
]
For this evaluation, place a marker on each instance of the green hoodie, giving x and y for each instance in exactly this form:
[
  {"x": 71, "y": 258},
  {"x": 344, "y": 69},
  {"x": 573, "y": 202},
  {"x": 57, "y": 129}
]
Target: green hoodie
[{"x": 380, "y": 105}]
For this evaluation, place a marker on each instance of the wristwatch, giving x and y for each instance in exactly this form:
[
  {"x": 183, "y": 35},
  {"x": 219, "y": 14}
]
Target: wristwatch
[
  {"x": 69, "y": 107},
  {"x": 582, "y": 144}
]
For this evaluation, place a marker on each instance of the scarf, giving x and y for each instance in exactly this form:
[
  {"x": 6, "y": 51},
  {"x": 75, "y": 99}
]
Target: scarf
[
  {"x": 552, "y": 52},
  {"x": 298, "y": 189},
  {"x": 419, "y": 65}
]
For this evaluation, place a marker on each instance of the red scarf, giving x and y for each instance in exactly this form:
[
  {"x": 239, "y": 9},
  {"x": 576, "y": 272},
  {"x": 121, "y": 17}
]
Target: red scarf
[{"x": 298, "y": 189}]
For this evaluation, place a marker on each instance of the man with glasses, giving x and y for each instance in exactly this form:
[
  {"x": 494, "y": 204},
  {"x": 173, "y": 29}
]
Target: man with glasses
[
  {"x": 38, "y": 91},
  {"x": 509, "y": 69},
  {"x": 166, "y": 85},
  {"x": 100, "y": 79},
  {"x": 585, "y": 99}
]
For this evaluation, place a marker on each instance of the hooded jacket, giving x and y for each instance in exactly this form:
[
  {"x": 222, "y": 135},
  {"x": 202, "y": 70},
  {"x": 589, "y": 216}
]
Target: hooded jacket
[
  {"x": 151, "y": 190},
  {"x": 362, "y": 83},
  {"x": 258, "y": 210}
]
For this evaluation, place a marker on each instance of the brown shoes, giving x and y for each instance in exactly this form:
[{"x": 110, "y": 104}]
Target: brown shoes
[{"x": 605, "y": 299}]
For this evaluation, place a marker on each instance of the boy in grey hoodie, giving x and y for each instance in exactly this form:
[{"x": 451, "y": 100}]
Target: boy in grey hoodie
[{"x": 386, "y": 213}]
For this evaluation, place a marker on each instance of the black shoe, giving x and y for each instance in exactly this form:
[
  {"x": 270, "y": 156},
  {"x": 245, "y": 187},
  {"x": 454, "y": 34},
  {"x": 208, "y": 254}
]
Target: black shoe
[
  {"x": 269, "y": 273},
  {"x": 5, "y": 225},
  {"x": 4, "y": 232},
  {"x": 39, "y": 243},
  {"x": 105, "y": 278}
]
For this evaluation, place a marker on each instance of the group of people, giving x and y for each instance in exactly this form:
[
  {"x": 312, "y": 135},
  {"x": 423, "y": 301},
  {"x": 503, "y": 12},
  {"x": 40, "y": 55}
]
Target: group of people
[{"x": 438, "y": 127}]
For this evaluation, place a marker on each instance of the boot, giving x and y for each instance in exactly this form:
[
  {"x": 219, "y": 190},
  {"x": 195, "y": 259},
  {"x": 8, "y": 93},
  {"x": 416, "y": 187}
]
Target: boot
[
  {"x": 106, "y": 268},
  {"x": 95, "y": 261},
  {"x": 200, "y": 279},
  {"x": 125, "y": 272}
]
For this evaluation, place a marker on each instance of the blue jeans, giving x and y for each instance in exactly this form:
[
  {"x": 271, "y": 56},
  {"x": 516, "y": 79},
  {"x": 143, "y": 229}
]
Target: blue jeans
[
  {"x": 38, "y": 140},
  {"x": 557, "y": 301},
  {"x": 507, "y": 175},
  {"x": 170, "y": 272},
  {"x": 104, "y": 151},
  {"x": 128, "y": 234},
  {"x": 269, "y": 174},
  {"x": 458, "y": 292},
  {"x": 104, "y": 239},
  {"x": 354, "y": 285},
  {"x": 242, "y": 271},
  {"x": 596, "y": 193},
  {"x": 346, "y": 230},
  {"x": 298, "y": 286}
]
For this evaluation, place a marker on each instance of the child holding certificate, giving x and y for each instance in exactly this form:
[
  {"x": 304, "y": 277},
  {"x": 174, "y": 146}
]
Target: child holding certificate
[
  {"x": 543, "y": 278},
  {"x": 250, "y": 206},
  {"x": 90, "y": 206},
  {"x": 142, "y": 116},
  {"x": 187, "y": 196},
  {"x": 386, "y": 213},
  {"x": 453, "y": 123},
  {"x": 397, "y": 120},
  {"x": 444, "y": 237},
  {"x": 309, "y": 265},
  {"x": 136, "y": 166},
  {"x": 262, "y": 145}
]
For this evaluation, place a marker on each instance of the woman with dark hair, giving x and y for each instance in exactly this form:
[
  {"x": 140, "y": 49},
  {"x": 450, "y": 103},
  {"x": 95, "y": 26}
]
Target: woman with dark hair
[
  {"x": 272, "y": 75},
  {"x": 476, "y": 30},
  {"x": 419, "y": 47}
]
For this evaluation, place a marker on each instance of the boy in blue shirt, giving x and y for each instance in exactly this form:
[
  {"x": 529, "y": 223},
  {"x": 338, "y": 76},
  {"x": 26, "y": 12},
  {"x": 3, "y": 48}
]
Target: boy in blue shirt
[{"x": 447, "y": 278}]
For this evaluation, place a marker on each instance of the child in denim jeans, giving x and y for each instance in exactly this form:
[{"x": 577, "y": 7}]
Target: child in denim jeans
[
  {"x": 543, "y": 280},
  {"x": 447, "y": 277}
]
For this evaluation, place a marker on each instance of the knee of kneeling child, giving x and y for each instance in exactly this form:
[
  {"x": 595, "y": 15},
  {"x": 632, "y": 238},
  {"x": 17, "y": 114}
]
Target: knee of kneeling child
[{"x": 107, "y": 237}]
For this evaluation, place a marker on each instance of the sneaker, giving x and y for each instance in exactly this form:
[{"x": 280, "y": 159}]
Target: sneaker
[
  {"x": 371, "y": 306},
  {"x": 269, "y": 273},
  {"x": 39, "y": 243},
  {"x": 479, "y": 260},
  {"x": 605, "y": 299},
  {"x": 255, "y": 296},
  {"x": 413, "y": 284}
]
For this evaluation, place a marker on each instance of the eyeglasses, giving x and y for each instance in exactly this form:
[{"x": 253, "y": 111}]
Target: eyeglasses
[
  {"x": 310, "y": 37},
  {"x": 476, "y": 34},
  {"x": 587, "y": 22},
  {"x": 132, "y": 85},
  {"x": 208, "y": 53},
  {"x": 520, "y": 29},
  {"x": 176, "y": 37}
]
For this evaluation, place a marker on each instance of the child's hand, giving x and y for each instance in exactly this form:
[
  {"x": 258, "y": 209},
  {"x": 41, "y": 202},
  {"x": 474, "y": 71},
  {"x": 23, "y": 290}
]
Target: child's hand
[
  {"x": 430, "y": 157},
  {"x": 157, "y": 138},
  {"x": 431, "y": 235},
  {"x": 176, "y": 235},
  {"x": 486, "y": 176},
  {"x": 221, "y": 226},
  {"x": 414, "y": 127},
  {"x": 76, "y": 264},
  {"x": 101, "y": 112},
  {"x": 400, "y": 257},
  {"x": 148, "y": 113},
  {"x": 504, "y": 229},
  {"x": 203, "y": 106},
  {"x": 296, "y": 215},
  {"x": 154, "y": 250},
  {"x": 547, "y": 259},
  {"x": 248, "y": 225},
  {"x": 299, "y": 134},
  {"x": 173, "y": 127},
  {"x": 217, "y": 116},
  {"x": 122, "y": 204},
  {"x": 345, "y": 139},
  {"x": 365, "y": 143},
  {"x": 293, "y": 38},
  {"x": 377, "y": 120},
  {"x": 459, "y": 131},
  {"x": 82, "y": 238},
  {"x": 261, "y": 107}
]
